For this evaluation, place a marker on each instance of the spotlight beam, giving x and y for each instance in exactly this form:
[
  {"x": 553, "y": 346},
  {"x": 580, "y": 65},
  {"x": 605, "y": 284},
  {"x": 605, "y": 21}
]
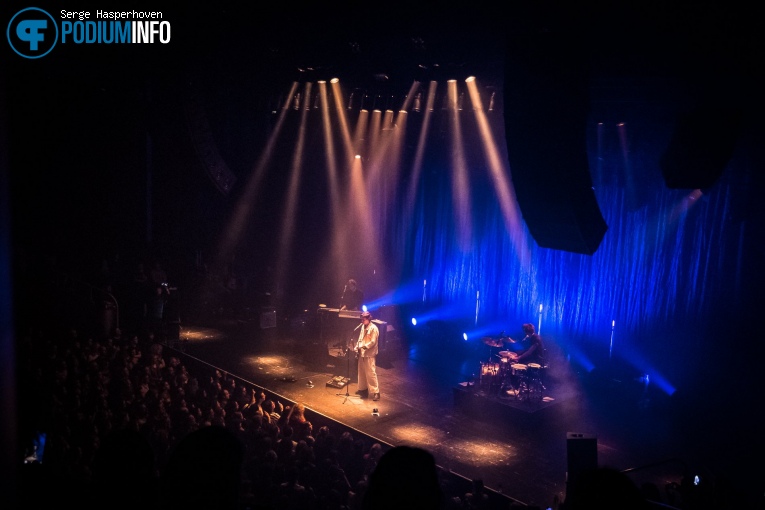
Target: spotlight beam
[
  {"x": 460, "y": 181},
  {"x": 414, "y": 181},
  {"x": 232, "y": 234},
  {"x": 293, "y": 192},
  {"x": 499, "y": 172}
]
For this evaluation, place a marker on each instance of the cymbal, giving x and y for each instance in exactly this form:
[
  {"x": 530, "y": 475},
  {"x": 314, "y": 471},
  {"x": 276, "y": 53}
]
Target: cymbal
[
  {"x": 492, "y": 342},
  {"x": 506, "y": 354}
]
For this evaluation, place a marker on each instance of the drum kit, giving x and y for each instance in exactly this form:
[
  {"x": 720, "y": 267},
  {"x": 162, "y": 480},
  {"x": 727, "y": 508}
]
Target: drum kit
[{"x": 507, "y": 377}]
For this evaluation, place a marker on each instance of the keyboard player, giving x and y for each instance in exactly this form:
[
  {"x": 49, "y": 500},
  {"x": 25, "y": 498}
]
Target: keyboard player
[{"x": 352, "y": 297}]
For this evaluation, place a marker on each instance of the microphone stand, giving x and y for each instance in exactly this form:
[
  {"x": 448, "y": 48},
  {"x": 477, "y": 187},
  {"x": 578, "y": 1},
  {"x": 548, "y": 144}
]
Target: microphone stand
[{"x": 347, "y": 393}]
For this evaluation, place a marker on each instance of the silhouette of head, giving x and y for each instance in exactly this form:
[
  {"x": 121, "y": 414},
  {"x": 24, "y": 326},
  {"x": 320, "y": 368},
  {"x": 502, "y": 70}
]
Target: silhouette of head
[
  {"x": 204, "y": 471},
  {"x": 405, "y": 478}
]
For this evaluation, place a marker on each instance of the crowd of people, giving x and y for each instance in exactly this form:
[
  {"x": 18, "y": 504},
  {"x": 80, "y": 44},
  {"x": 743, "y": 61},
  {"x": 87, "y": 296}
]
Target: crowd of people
[
  {"x": 118, "y": 418},
  {"x": 127, "y": 424}
]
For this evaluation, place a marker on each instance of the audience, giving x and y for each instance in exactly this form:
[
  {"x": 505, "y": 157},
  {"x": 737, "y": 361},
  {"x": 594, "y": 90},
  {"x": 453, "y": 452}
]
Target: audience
[
  {"x": 203, "y": 471},
  {"x": 124, "y": 473},
  {"x": 405, "y": 478},
  {"x": 477, "y": 498},
  {"x": 604, "y": 488}
]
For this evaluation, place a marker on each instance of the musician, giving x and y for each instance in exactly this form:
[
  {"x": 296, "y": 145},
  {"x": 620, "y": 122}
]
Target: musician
[
  {"x": 352, "y": 297},
  {"x": 533, "y": 351},
  {"x": 533, "y": 347},
  {"x": 366, "y": 349}
]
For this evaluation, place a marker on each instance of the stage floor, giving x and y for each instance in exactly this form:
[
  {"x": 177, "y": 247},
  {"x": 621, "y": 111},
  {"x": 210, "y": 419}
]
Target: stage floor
[{"x": 518, "y": 448}]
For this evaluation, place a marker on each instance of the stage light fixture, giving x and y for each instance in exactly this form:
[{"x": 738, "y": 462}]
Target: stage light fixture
[{"x": 417, "y": 102}]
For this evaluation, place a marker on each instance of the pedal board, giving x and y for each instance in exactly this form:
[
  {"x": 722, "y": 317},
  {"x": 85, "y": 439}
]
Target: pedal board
[{"x": 338, "y": 382}]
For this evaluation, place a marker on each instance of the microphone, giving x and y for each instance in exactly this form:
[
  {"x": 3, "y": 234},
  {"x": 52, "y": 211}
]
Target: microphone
[{"x": 357, "y": 327}]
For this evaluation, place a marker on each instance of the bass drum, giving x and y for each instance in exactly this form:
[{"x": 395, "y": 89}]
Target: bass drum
[{"x": 489, "y": 372}]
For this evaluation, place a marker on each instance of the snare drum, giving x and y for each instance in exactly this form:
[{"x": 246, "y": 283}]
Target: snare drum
[{"x": 519, "y": 370}]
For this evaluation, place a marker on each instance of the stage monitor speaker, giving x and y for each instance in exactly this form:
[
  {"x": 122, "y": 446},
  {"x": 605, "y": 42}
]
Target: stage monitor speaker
[
  {"x": 581, "y": 455},
  {"x": 546, "y": 105},
  {"x": 700, "y": 147}
]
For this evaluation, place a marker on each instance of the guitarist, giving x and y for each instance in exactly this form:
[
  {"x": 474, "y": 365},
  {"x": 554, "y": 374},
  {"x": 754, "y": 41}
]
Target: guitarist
[{"x": 366, "y": 351}]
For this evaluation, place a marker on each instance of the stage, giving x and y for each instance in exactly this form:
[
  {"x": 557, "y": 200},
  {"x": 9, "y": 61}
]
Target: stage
[{"x": 430, "y": 398}]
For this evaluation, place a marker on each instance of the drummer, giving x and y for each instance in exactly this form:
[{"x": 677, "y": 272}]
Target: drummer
[{"x": 533, "y": 350}]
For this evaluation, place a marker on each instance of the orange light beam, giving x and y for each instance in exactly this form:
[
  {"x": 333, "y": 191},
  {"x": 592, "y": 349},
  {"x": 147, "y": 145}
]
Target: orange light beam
[
  {"x": 293, "y": 192},
  {"x": 460, "y": 181},
  {"x": 339, "y": 234},
  {"x": 500, "y": 177},
  {"x": 414, "y": 181},
  {"x": 358, "y": 135},
  {"x": 231, "y": 234},
  {"x": 345, "y": 131}
]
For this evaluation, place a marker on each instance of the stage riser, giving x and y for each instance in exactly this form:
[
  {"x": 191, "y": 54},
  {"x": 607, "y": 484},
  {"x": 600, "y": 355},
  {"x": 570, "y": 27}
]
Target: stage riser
[{"x": 476, "y": 403}]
